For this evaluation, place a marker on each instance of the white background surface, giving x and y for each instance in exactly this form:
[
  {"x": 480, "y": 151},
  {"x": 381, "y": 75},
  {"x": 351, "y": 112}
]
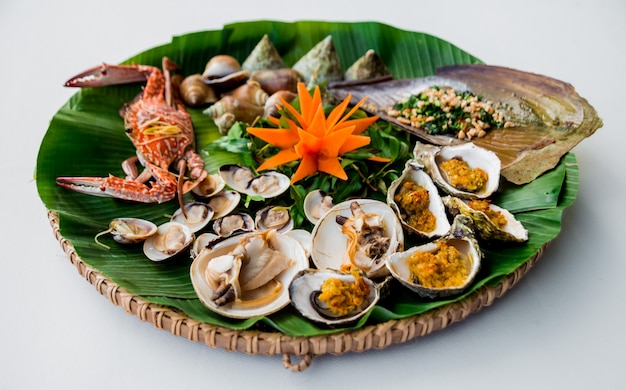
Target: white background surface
[{"x": 561, "y": 327}]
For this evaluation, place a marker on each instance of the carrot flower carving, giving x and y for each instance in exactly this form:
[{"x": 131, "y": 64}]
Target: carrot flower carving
[{"x": 312, "y": 138}]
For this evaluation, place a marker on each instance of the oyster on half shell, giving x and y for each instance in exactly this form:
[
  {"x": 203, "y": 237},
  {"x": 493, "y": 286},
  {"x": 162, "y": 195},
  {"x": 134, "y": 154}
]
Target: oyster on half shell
[
  {"x": 433, "y": 279},
  {"x": 550, "y": 116},
  {"x": 481, "y": 163},
  {"x": 422, "y": 213},
  {"x": 503, "y": 227},
  {"x": 307, "y": 287}
]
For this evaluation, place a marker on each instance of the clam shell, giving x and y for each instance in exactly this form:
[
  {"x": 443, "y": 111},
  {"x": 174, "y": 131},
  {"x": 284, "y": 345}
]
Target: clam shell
[
  {"x": 201, "y": 242},
  {"x": 316, "y": 204},
  {"x": 329, "y": 243},
  {"x": 170, "y": 240},
  {"x": 233, "y": 223},
  {"x": 461, "y": 236},
  {"x": 245, "y": 309},
  {"x": 268, "y": 184},
  {"x": 274, "y": 217},
  {"x": 223, "y": 203},
  {"x": 414, "y": 173},
  {"x": 431, "y": 157},
  {"x": 210, "y": 186},
  {"x": 308, "y": 282},
  {"x": 198, "y": 215},
  {"x": 131, "y": 230}
]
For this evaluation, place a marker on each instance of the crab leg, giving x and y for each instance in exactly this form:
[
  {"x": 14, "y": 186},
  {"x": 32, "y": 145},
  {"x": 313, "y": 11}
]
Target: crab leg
[{"x": 162, "y": 190}]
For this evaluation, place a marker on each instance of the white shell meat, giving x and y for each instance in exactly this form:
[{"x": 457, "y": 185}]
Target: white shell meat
[
  {"x": 196, "y": 216},
  {"x": 316, "y": 204},
  {"x": 414, "y": 174},
  {"x": 170, "y": 239},
  {"x": 460, "y": 237},
  {"x": 374, "y": 234},
  {"x": 233, "y": 223},
  {"x": 306, "y": 287},
  {"x": 210, "y": 186},
  {"x": 267, "y": 184},
  {"x": 129, "y": 230},
  {"x": 431, "y": 157},
  {"x": 247, "y": 275},
  {"x": 223, "y": 203},
  {"x": 274, "y": 217}
]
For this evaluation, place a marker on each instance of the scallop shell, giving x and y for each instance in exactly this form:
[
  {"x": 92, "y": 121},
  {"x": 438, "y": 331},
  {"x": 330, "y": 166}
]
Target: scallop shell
[
  {"x": 461, "y": 237},
  {"x": 329, "y": 244},
  {"x": 258, "y": 301},
  {"x": 413, "y": 173},
  {"x": 170, "y": 240},
  {"x": 307, "y": 284},
  {"x": 550, "y": 117},
  {"x": 431, "y": 157}
]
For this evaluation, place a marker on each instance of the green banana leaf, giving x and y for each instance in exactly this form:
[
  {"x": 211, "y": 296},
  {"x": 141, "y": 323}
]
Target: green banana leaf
[{"x": 86, "y": 138}]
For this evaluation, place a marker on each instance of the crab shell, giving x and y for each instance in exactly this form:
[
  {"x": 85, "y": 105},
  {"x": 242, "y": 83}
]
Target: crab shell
[
  {"x": 307, "y": 282},
  {"x": 258, "y": 306},
  {"x": 461, "y": 236},
  {"x": 329, "y": 244},
  {"x": 431, "y": 157},
  {"x": 513, "y": 231},
  {"x": 414, "y": 173}
]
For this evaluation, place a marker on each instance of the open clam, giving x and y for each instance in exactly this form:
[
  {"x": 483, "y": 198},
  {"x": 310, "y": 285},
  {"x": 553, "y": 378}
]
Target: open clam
[
  {"x": 224, "y": 202},
  {"x": 128, "y": 230},
  {"x": 491, "y": 221},
  {"x": 415, "y": 199},
  {"x": 357, "y": 234},
  {"x": 171, "y": 239},
  {"x": 274, "y": 217},
  {"x": 196, "y": 215},
  {"x": 331, "y": 297},
  {"x": 247, "y": 275},
  {"x": 464, "y": 170},
  {"x": 233, "y": 223},
  {"x": 316, "y": 204},
  {"x": 550, "y": 117},
  {"x": 267, "y": 184},
  {"x": 440, "y": 268},
  {"x": 210, "y": 186}
]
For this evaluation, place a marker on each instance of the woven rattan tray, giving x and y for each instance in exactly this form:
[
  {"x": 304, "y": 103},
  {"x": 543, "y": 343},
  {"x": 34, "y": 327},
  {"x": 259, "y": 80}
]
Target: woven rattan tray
[{"x": 304, "y": 349}]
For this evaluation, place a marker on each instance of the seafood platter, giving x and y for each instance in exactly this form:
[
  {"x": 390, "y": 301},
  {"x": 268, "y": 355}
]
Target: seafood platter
[{"x": 304, "y": 188}]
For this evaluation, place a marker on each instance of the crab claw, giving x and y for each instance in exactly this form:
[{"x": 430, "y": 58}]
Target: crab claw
[
  {"x": 106, "y": 74},
  {"x": 119, "y": 188}
]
